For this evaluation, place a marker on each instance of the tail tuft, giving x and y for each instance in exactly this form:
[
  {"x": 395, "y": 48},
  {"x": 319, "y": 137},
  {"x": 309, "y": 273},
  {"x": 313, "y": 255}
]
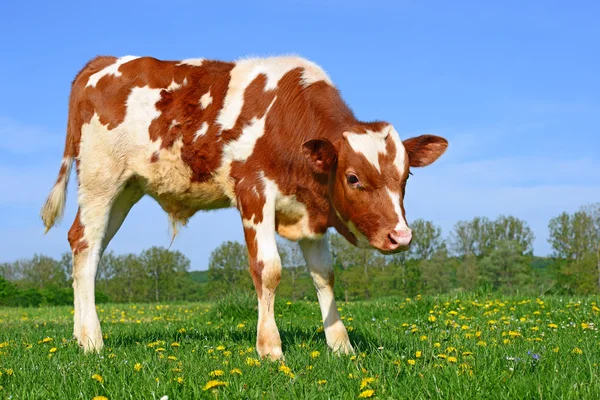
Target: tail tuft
[{"x": 54, "y": 208}]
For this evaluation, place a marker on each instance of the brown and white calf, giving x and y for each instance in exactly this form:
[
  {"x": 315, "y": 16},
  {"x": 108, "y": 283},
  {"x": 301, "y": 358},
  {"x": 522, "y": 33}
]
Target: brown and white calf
[{"x": 269, "y": 136}]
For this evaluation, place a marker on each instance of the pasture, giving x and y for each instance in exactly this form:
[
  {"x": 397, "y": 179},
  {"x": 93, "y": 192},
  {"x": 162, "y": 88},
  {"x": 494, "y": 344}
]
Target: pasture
[{"x": 423, "y": 347}]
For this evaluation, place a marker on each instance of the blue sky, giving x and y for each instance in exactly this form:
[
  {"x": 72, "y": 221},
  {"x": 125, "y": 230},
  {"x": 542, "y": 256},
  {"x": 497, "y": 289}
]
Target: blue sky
[{"x": 513, "y": 86}]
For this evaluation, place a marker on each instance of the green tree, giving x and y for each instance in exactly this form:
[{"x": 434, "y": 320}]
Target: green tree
[
  {"x": 509, "y": 228},
  {"x": 426, "y": 241},
  {"x": 506, "y": 267},
  {"x": 41, "y": 272},
  {"x": 164, "y": 267},
  {"x": 437, "y": 271},
  {"x": 228, "y": 268}
]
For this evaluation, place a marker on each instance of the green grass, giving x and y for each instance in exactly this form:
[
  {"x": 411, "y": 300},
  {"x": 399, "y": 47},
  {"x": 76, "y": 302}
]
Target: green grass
[{"x": 484, "y": 348}]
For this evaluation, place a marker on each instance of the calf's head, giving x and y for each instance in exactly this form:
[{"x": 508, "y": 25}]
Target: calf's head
[{"x": 367, "y": 173}]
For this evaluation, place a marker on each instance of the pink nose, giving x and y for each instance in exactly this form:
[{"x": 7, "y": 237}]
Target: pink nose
[{"x": 398, "y": 238}]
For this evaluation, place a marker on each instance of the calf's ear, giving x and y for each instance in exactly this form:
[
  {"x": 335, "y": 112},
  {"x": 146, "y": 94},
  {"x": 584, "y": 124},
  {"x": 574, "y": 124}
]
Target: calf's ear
[
  {"x": 425, "y": 149},
  {"x": 320, "y": 154}
]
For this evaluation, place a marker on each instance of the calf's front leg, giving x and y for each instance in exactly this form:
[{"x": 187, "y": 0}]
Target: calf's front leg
[
  {"x": 265, "y": 269},
  {"x": 318, "y": 260}
]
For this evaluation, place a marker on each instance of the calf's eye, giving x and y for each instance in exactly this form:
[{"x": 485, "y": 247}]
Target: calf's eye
[{"x": 352, "y": 179}]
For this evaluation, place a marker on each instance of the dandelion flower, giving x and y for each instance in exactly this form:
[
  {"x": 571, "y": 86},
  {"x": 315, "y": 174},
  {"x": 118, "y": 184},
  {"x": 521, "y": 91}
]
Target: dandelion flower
[
  {"x": 53, "y": 350},
  {"x": 98, "y": 378},
  {"x": 315, "y": 354},
  {"x": 252, "y": 362},
  {"x": 172, "y": 358},
  {"x": 577, "y": 350},
  {"x": 179, "y": 380},
  {"x": 366, "y": 394},
  {"x": 213, "y": 384},
  {"x": 418, "y": 354},
  {"x": 553, "y": 326},
  {"x": 286, "y": 370},
  {"x": 217, "y": 372},
  {"x": 432, "y": 318},
  {"x": 47, "y": 340},
  {"x": 236, "y": 371},
  {"x": 321, "y": 381},
  {"x": 175, "y": 344},
  {"x": 99, "y": 398},
  {"x": 452, "y": 359},
  {"x": 220, "y": 348},
  {"x": 411, "y": 362},
  {"x": 240, "y": 326},
  {"x": 365, "y": 382},
  {"x": 137, "y": 366}
]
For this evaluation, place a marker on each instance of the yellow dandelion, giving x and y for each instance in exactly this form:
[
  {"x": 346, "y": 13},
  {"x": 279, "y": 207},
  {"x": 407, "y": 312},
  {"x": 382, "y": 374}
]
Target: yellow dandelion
[
  {"x": 556, "y": 349},
  {"x": 366, "y": 394},
  {"x": 315, "y": 354},
  {"x": 514, "y": 334},
  {"x": 179, "y": 380},
  {"x": 585, "y": 326},
  {"x": 423, "y": 338},
  {"x": 213, "y": 384},
  {"x": 220, "y": 348},
  {"x": 47, "y": 340},
  {"x": 3, "y": 344},
  {"x": 98, "y": 378},
  {"x": 481, "y": 343},
  {"x": 432, "y": 318},
  {"x": 99, "y": 398},
  {"x": 240, "y": 326},
  {"x": 441, "y": 355},
  {"x": 236, "y": 371},
  {"x": 466, "y": 353},
  {"x": 553, "y": 326},
  {"x": 175, "y": 344},
  {"x": 226, "y": 353},
  {"x": 289, "y": 303},
  {"x": 577, "y": 350},
  {"x": 160, "y": 349},
  {"x": 452, "y": 359},
  {"x": 252, "y": 362},
  {"x": 216, "y": 373},
  {"x": 365, "y": 382},
  {"x": 322, "y": 381},
  {"x": 172, "y": 358},
  {"x": 418, "y": 354},
  {"x": 137, "y": 366},
  {"x": 411, "y": 362},
  {"x": 436, "y": 345},
  {"x": 182, "y": 330},
  {"x": 53, "y": 350},
  {"x": 9, "y": 372}
]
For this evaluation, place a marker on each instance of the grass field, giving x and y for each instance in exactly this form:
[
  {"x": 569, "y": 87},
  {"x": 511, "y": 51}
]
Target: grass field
[{"x": 446, "y": 347}]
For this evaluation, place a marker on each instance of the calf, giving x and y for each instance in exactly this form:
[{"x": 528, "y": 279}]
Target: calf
[{"x": 269, "y": 136}]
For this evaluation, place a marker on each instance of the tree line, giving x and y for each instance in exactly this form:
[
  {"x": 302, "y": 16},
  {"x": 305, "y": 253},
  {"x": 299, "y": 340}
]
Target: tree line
[{"x": 477, "y": 255}]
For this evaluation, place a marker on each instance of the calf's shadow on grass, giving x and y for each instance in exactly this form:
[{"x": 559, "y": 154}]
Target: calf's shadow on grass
[{"x": 291, "y": 338}]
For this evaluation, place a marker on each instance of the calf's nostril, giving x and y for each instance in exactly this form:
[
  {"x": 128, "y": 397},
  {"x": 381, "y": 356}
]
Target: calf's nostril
[{"x": 392, "y": 239}]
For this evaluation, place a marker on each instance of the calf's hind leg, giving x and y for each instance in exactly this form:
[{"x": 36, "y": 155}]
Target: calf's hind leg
[{"x": 101, "y": 213}]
